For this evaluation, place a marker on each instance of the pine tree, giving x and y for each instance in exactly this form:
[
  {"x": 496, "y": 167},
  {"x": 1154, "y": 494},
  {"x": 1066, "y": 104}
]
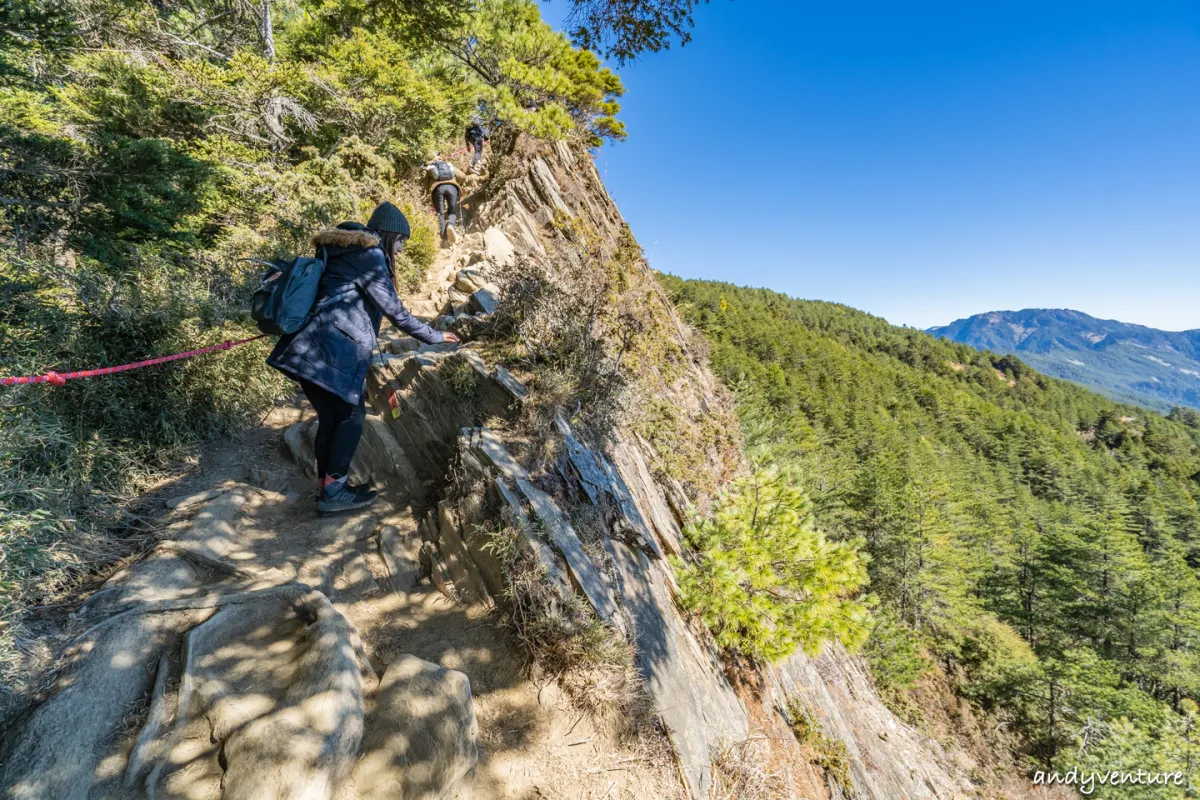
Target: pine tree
[{"x": 765, "y": 581}]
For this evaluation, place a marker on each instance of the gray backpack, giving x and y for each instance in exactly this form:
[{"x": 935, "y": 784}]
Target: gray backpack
[
  {"x": 441, "y": 171},
  {"x": 284, "y": 301}
]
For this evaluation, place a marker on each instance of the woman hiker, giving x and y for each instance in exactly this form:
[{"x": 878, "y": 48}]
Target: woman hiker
[{"x": 330, "y": 355}]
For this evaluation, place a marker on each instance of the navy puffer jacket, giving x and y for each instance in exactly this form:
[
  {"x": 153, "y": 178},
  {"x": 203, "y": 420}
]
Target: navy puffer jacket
[{"x": 334, "y": 349}]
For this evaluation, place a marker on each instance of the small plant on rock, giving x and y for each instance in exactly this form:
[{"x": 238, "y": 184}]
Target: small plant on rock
[{"x": 830, "y": 754}]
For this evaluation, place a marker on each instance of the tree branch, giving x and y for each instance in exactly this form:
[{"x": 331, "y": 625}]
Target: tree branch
[{"x": 17, "y": 201}]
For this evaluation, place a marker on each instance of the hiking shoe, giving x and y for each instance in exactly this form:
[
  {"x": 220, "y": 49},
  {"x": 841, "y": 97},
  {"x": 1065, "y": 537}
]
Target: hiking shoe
[
  {"x": 451, "y": 234},
  {"x": 338, "y": 498},
  {"x": 357, "y": 488}
]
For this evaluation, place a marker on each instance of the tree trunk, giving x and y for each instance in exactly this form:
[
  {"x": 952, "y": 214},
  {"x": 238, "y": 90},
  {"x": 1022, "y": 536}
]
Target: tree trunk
[{"x": 267, "y": 31}]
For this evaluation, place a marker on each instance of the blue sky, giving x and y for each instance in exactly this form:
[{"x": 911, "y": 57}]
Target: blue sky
[{"x": 925, "y": 161}]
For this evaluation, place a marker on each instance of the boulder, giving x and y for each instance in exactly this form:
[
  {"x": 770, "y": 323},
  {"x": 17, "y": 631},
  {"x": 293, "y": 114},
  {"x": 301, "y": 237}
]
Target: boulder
[
  {"x": 425, "y": 309},
  {"x": 421, "y": 738},
  {"x": 499, "y": 248},
  {"x": 468, "y": 280},
  {"x": 402, "y": 344},
  {"x": 484, "y": 301}
]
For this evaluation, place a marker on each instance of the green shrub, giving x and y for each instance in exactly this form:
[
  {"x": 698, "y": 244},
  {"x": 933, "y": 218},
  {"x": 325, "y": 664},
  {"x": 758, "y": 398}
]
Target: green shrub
[
  {"x": 896, "y": 657},
  {"x": 764, "y": 581},
  {"x": 72, "y": 455},
  {"x": 420, "y": 250}
]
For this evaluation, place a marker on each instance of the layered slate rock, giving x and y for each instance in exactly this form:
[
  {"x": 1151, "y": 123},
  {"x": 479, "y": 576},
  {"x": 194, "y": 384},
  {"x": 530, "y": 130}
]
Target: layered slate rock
[
  {"x": 425, "y": 398},
  {"x": 549, "y": 518},
  {"x": 632, "y": 591},
  {"x": 683, "y": 674},
  {"x": 379, "y": 459}
]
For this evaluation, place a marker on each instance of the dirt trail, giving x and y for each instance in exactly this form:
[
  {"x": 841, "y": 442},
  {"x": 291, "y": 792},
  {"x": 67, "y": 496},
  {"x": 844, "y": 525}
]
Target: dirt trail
[{"x": 258, "y": 675}]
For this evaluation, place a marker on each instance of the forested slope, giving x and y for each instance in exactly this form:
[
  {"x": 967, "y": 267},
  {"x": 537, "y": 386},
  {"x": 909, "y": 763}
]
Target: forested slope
[{"x": 1040, "y": 539}]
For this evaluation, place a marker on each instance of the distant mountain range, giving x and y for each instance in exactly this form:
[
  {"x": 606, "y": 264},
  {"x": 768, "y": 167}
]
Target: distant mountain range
[{"x": 1130, "y": 363}]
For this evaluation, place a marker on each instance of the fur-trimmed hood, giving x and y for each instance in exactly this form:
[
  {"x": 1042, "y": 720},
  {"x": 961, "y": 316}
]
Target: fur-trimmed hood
[
  {"x": 333, "y": 350},
  {"x": 339, "y": 237}
]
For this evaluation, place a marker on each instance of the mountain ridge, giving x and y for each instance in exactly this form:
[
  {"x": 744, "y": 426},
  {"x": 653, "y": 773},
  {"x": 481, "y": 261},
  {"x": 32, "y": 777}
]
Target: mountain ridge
[{"x": 1125, "y": 361}]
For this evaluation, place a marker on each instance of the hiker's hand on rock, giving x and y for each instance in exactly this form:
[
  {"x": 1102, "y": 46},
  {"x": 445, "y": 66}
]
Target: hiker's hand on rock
[{"x": 450, "y": 337}]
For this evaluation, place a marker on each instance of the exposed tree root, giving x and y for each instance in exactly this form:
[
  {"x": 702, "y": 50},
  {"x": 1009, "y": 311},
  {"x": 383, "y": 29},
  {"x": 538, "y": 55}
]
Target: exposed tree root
[
  {"x": 196, "y": 603},
  {"x": 156, "y": 718},
  {"x": 187, "y": 688}
]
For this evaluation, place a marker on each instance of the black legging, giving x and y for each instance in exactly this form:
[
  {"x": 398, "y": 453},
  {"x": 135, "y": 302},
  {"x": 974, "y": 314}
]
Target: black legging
[
  {"x": 445, "y": 200},
  {"x": 339, "y": 427}
]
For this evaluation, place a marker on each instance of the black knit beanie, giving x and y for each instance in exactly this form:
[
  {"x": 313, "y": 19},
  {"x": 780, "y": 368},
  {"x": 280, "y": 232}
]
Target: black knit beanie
[{"x": 389, "y": 219}]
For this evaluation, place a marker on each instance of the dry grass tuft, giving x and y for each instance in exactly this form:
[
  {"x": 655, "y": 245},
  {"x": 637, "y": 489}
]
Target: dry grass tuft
[
  {"x": 563, "y": 321},
  {"x": 740, "y": 772},
  {"x": 566, "y": 639}
]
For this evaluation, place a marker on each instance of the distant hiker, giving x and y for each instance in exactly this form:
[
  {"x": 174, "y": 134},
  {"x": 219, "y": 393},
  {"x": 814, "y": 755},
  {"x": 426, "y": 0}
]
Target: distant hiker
[
  {"x": 330, "y": 355},
  {"x": 444, "y": 191},
  {"x": 477, "y": 134}
]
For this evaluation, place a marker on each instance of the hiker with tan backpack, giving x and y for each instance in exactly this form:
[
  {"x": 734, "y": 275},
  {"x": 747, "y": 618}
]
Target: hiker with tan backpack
[{"x": 444, "y": 191}]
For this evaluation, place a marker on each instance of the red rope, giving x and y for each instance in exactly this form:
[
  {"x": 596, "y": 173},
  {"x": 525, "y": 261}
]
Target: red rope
[{"x": 59, "y": 378}]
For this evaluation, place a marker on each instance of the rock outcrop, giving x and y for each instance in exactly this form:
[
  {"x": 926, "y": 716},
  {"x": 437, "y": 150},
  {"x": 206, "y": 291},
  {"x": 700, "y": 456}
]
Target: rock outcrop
[
  {"x": 885, "y": 757},
  {"x": 421, "y": 738},
  {"x": 625, "y": 575},
  {"x": 628, "y": 585}
]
